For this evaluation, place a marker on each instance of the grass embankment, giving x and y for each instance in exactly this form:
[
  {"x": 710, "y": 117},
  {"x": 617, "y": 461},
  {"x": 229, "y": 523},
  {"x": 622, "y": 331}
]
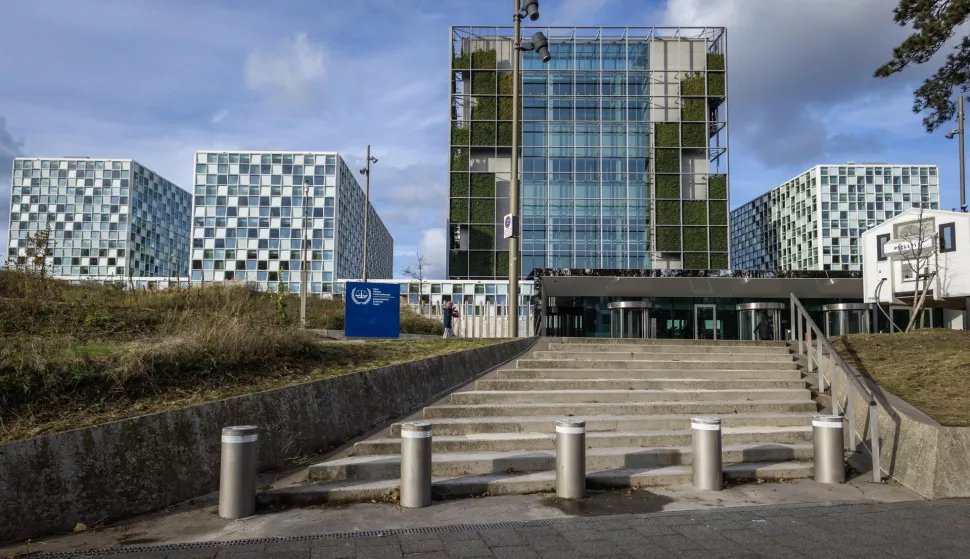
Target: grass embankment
[
  {"x": 72, "y": 356},
  {"x": 930, "y": 369}
]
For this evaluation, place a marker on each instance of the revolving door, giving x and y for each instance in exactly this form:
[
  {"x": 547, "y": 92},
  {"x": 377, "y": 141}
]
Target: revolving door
[
  {"x": 846, "y": 318},
  {"x": 630, "y": 319},
  {"x": 760, "y": 321}
]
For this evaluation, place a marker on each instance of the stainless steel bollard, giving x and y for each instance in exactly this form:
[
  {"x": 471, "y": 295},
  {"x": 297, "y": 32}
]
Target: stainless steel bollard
[
  {"x": 237, "y": 478},
  {"x": 706, "y": 441},
  {"x": 829, "y": 454},
  {"x": 415, "y": 464},
  {"x": 570, "y": 458}
]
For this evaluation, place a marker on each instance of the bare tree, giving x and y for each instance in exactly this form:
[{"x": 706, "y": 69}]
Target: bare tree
[
  {"x": 918, "y": 255},
  {"x": 418, "y": 273}
]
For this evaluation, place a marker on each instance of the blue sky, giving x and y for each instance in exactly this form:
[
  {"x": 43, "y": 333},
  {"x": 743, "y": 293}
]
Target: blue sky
[{"x": 157, "y": 81}]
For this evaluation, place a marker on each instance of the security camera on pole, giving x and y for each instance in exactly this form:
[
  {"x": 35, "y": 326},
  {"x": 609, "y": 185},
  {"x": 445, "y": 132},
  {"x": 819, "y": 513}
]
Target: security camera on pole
[
  {"x": 541, "y": 45},
  {"x": 366, "y": 172}
]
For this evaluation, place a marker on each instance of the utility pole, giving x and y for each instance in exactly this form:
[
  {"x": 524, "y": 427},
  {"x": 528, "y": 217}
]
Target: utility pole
[
  {"x": 303, "y": 265},
  {"x": 513, "y": 300},
  {"x": 366, "y": 172},
  {"x": 963, "y": 175}
]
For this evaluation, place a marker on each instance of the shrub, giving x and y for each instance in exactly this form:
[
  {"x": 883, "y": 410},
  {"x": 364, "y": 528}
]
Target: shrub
[
  {"x": 695, "y": 239},
  {"x": 459, "y": 185},
  {"x": 414, "y": 323},
  {"x": 719, "y": 261},
  {"x": 693, "y": 110},
  {"x": 505, "y": 108},
  {"x": 502, "y": 264},
  {"x": 692, "y": 85},
  {"x": 483, "y": 83},
  {"x": 482, "y": 237},
  {"x": 484, "y": 108},
  {"x": 717, "y": 187},
  {"x": 459, "y": 210},
  {"x": 459, "y": 159},
  {"x": 483, "y": 185},
  {"x": 695, "y": 212},
  {"x": 481, "y": 264},
  {"x": 695, "y": 261},
  {"x": 667, "y": 135},
  {"x": 668, "y": 161},
  {"x": 716, "y": 84},
  {"x": 458, "y": 263},
  {"x": 694, "y": 136},
  {"x": 719, "y": 238},
  {"x": 483, "y": 134},
  {"x": 668, "y": 239},
  {"x": 459, "y": 135},
  {"x": 718, "y": 212},
  {"x": 505, "y": 83},
  {"x": 505, "y": 134},
  {"x": 668, "y": 212},
  {"x": 483, "y": 211},
  {"x": 668, "y": 186},
  {"x": 483, "y": 60},
  {"x": 715, "y": 61},
  {"x": 461, "y": 62}
]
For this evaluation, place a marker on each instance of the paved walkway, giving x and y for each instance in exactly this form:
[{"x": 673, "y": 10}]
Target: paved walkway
[{"x": 910, "y": 530}]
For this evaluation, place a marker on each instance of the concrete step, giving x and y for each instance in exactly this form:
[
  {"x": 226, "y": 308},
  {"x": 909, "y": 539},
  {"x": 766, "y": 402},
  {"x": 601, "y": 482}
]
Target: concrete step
[
  {"x": 504, "y": 442},
  {"x": 624, "y": 396},
  {"x": 634, "y": 384},
  {"x": 671, "y": 348},
  {"x": 368, "y": 468},
  {"x": 517, "y": 484},
  {"x": 652, "y": 364},
  {"x": 643, "y": 374},
  {"x": 636, "y": 408},
  {"x": 654, "y": 356},
  {"x": 603, "y": 423},
  {"x": 664, "y": 341}
]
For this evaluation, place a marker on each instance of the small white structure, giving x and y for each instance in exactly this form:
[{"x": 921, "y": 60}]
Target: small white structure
[{"x": 920, "y": 253}]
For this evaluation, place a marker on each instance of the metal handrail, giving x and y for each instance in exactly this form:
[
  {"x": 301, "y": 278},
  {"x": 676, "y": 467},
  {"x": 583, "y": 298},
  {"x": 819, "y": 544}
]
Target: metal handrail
[{"x": 803, "y": 327}]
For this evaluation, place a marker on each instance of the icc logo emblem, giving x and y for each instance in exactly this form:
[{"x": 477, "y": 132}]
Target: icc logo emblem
[{"x": 360, "y": 296}]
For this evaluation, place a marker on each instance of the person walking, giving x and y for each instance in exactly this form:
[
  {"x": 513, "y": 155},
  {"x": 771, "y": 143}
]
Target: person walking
[
  {"x": 764, "y": 328},
  {"x": 446, "y": 318}
]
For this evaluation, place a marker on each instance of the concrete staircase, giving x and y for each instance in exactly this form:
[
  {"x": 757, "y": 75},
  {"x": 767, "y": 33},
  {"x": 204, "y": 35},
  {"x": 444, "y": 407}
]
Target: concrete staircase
[{"x": 637, "y": 397}]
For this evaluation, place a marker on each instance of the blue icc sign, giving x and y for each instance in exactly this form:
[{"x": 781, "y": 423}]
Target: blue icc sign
[{"x": 372, "y": 310}]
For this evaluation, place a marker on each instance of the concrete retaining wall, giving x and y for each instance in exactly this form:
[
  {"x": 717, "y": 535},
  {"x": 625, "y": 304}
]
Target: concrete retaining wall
[
  {"x": 339, "y": 335},
  {"x": 915, "y": 450},
  {"x": 112, "y": 471}
]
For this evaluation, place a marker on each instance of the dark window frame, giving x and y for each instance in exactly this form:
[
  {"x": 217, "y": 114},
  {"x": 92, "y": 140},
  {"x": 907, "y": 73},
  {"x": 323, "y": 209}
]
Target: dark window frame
[
  {"x": 953, "y": 236},
  {"x": 881, "y": 246}
]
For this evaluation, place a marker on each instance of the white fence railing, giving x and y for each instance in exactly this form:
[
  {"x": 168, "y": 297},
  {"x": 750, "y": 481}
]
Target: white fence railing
[{"x": 486, "y": 320}]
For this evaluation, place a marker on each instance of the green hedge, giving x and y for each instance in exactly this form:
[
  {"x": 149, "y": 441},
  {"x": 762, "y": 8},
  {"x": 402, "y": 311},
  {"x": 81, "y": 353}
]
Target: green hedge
[
  {"x": 459, "y": 185},
  {"x": 483, "y": 133},
  {"x": 459, "y": 135},
  {"x": 668, "y": 239},
  {"x": 716, "y": 84},
  {"x": 483, "y": 185},
  {"x": 483, "y": 211},
  {"x": 459, "y": 210},
  {"x": 692, "y": 85},
  {"x": 715, "y": 61},
  {"x": 695, "y": 261},
  {"x": 458, "y": 262},
  {"x": 719, "y": 238},
  {"x": 693, "y": 135},
  {"x": 693, "y": 110},
  {"x": 483, "y": 83},
  {"x": 668, "y": 161},
  {"x": 505, "y": 83},
  {"x": 459, "y": 159},
  {"x": 481, "y": 237},
  {"x": 695, "y": 239},
  {"x": 505, "y": 108},
  {"x": 502, "y": 264},
  {"x": 667, "y": 135},
  {"x": 461, "y": 61},
  {"x": 717, "y": 187},
  {"x": 695, "y": 212},
  {"x": 718, "y": 212},
  {"x": 668, "y": 212},
  {"x": 719, "y": 261},
  {"x": 668, "y": 186},
  {"x": 505, "y": 134},
  {"x": 484, "y": 108},
  {"x": 481, "y": 264},
  {"x": 483, "y": 60}
]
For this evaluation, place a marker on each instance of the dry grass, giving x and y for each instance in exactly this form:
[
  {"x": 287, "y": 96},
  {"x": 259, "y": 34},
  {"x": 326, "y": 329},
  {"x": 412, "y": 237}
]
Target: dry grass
[
  {"x": 80, "y": 355},
  {"x": 930, "y": 369}
]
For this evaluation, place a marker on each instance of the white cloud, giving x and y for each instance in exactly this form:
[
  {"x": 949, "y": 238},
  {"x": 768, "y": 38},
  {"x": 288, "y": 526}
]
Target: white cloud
[
  {"x": 432, "y": 247},
  {"x": 291, "y": 75},
  {"x": 216, "y": 118}
]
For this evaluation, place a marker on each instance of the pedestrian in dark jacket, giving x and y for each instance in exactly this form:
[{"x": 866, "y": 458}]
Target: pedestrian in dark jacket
[
  {"x": 764, "y": 328},
  {"x": 446, "y": 318}
]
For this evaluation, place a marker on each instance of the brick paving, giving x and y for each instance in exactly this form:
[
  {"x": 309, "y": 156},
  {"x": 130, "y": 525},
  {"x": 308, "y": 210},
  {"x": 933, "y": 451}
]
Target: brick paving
[{"x": 910, "y": 530}]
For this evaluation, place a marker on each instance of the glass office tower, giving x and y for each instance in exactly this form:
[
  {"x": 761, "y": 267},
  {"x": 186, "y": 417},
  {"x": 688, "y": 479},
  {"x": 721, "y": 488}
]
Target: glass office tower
[
  {"x": 248, "y": 220},
  {"x": 815, "y": 221},
  {"x": 108, "y": 217},
  {"x": 624, "y": 150}
]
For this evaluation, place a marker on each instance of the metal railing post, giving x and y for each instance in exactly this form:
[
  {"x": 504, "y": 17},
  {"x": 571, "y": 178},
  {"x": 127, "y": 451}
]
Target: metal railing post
[
  {"x": 821, "y": 367},
  {"x": 850, "y": 415},
  {"x": 791, "y": 323},
  {"x": 801, "y": 334},
  {"x": 874, "y": 443},
  {"x": 810, "y": 350}
]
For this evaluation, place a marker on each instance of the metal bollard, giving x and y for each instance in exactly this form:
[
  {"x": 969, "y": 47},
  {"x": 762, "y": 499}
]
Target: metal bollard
[
  {"x": 829, "y": 455},
  {"x": 415, "y": 464},
  {"x": 706, "y": 440},
  {"x": 237, "y": 478},
  {"x": 570, "y": 458}
]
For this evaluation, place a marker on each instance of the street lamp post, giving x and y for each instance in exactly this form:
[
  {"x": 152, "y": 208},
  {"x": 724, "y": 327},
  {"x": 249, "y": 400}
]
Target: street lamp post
[
  {"x": 366, "y": 172},
  {"x": 541, "y": 45},
  {"x": 303, "y": 265},
  {"x": 963, "y": 176}
]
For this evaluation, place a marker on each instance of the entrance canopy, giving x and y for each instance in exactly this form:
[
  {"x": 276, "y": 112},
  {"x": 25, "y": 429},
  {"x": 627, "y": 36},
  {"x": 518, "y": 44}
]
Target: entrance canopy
[{"x": 727, "y": 287}]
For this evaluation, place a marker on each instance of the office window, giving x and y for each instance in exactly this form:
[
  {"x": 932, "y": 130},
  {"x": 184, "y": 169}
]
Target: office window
[
  {"x": 948, "y": 237},
  {"x": 881, "y": 241}
]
